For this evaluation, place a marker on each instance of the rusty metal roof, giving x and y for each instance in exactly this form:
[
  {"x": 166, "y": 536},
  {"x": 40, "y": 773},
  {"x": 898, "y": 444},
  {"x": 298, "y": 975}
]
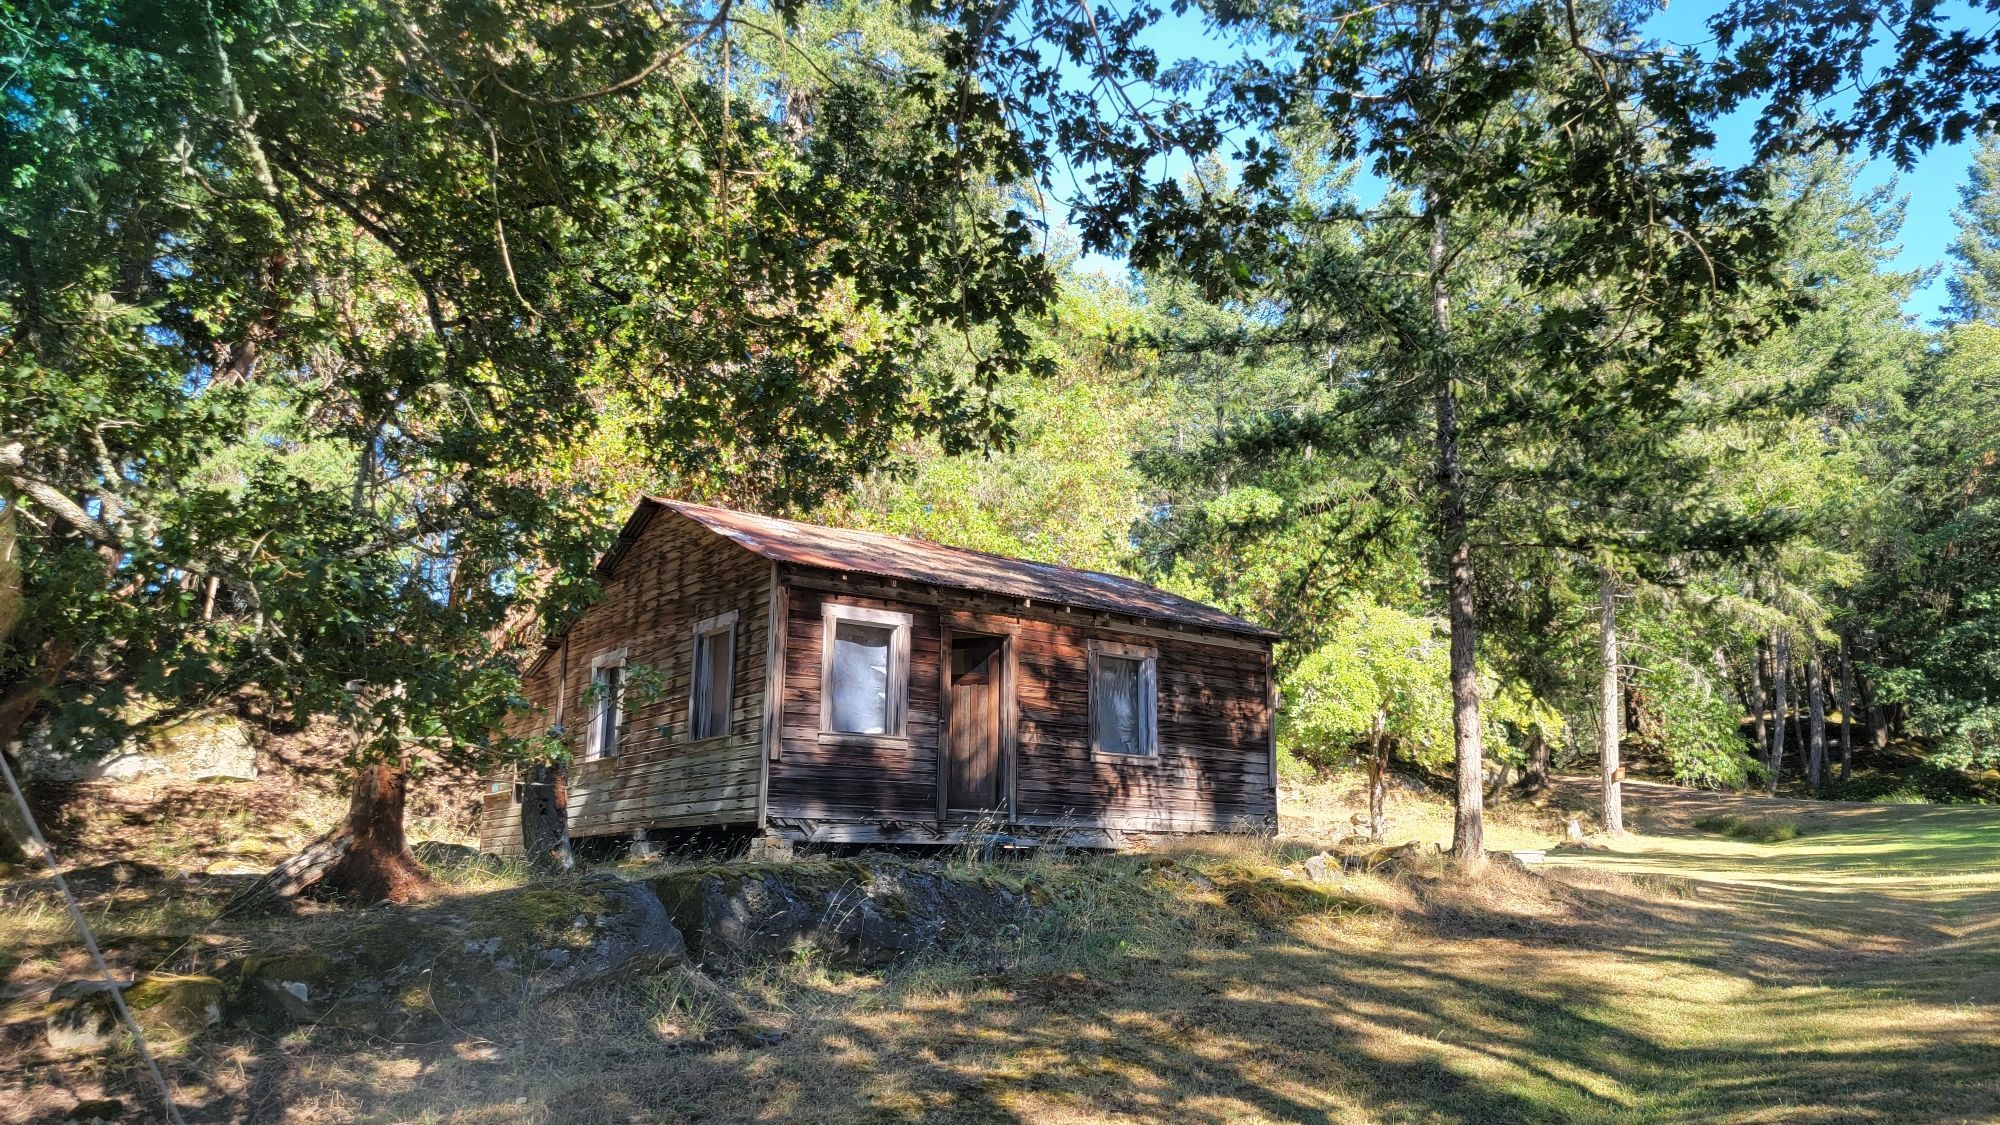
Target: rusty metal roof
[{"x": 914, "y": 560}]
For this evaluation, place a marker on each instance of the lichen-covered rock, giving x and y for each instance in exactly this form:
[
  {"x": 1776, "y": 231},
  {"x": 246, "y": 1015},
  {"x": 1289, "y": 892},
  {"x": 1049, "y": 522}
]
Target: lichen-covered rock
[
  {"x": 856, "y": 914},
  {"x": 204, "y": 746},
  {"x": 406, "y": 973},
  {"x": 169, "y": 1009},
  {"x": 81, "y": 1017}
]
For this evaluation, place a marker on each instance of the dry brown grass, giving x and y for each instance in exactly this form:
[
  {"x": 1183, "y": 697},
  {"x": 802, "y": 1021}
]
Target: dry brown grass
[{"x": 1675, "y": 975}]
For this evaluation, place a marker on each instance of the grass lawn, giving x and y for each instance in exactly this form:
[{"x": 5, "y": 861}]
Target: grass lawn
[{"x": 1848, "y": 973}]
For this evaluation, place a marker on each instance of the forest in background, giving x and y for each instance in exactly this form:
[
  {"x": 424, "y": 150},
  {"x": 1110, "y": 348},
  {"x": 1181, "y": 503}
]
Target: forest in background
[
  {"x": 1848, "y": 453},
  {"x": 339, "y": 336}
]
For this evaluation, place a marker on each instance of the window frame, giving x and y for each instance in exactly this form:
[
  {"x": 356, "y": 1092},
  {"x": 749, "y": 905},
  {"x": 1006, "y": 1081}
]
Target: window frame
[
  {"x": 1149, "y": 701},
  {"x": 594, "y": 749},
  {"x": 896, "y": 726},
  {"x": 704, "y": 629}
]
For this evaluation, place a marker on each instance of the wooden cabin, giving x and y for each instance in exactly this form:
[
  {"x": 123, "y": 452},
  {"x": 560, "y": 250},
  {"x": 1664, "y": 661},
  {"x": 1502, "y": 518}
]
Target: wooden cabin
[{"x": 814, "y": 684}]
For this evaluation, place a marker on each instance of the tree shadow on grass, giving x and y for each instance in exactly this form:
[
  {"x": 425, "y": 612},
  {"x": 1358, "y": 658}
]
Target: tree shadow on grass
[{"x": 1476, "y": 1012}]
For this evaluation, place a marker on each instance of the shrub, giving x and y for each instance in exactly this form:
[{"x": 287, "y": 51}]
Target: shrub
[{"x": 1759, "y": 829}]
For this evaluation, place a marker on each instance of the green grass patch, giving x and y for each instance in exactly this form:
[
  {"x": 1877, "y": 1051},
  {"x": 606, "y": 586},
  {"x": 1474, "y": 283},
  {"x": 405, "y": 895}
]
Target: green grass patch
[{"x": 1757, "y": 829}]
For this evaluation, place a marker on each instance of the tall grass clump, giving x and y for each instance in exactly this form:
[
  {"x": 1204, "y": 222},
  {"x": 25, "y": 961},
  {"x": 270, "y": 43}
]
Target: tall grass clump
[{"x": 1757, "y": 829}]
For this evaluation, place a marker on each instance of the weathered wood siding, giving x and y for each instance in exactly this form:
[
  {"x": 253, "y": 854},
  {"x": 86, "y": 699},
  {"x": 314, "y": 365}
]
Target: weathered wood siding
[
  {"x": 855, "y": 777},
  {"x": 1213, "y": 771},
  {"x": 675, "y": 575}
]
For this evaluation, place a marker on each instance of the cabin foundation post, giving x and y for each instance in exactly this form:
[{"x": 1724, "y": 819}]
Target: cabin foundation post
[{"x": 770, "y": 849}]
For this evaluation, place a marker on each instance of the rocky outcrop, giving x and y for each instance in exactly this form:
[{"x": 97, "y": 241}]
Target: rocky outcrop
[
  {"x": 413, "y": 973},
  {"x": 193, "y": 749},
  {"x": 855, "y": 914},
  {"x": 405, "y": 973}
]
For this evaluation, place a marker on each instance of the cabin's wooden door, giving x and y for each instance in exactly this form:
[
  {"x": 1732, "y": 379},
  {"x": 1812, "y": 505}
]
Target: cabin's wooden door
[{"x": 972, "y": 733}]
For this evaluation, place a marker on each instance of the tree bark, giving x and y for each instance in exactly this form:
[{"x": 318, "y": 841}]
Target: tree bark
[
  {"x": 1781, "y": 679},
  {"x": 1536, "y": 776},
  {"x": 1816, "y": 739},
  {"x": 1758, "y": 699},
  {"x": 1846, "y": 707},
  {"x": 377, "y": 865},
  {"x": 545, "y": 818},
  {"x": 1378, "y": 780},
  {"x": 1878, "y": 716},
  {"x": 14, "y": 835},
  {"x": 1611, "y": 722},
  {"x": 1468, "y": 843}
]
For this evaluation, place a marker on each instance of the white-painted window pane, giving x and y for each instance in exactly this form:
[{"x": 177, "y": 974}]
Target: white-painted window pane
[
  {"x": 1115, "y": 706},
  {"x": 861, "y": 677}
]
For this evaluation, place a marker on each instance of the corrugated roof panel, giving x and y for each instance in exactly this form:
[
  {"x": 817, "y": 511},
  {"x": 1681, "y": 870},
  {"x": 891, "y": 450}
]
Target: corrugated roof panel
[{"x": 892, "y": 556}]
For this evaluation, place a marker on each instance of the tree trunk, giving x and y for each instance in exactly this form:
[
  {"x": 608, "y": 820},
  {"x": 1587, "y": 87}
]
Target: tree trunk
[
  {"x": 1611, "y": 721},
  {"x": 1758, "y": 700},
  {"x": 1878, "y": 716},
  {"x": 1846, "y": 707},
  {"x": 1536, "y": 776},
  {"x": 377, "y": 865},
  {"x": 1816, "y": 704},
  {"x": 1468, "y": 843},
  {"x": 1781, "y": 679},
  {"x": 14, "y": 835},
  {"x": 545, "y": 818},
  {"x": 1378, "y": 781}
]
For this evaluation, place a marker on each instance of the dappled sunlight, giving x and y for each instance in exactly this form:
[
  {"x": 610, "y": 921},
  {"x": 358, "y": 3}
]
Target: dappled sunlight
[{"x": 1673, "y": 974}]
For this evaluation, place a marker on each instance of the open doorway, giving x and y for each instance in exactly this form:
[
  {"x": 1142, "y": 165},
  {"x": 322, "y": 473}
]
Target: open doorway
[{"x": 973, "y": 759}]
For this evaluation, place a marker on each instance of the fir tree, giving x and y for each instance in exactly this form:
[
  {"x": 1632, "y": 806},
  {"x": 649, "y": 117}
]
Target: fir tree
[{"x": 1974, "y": 283}]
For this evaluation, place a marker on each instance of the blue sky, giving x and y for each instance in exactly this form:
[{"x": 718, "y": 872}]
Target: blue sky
[{"x": 1931, "y": 187}]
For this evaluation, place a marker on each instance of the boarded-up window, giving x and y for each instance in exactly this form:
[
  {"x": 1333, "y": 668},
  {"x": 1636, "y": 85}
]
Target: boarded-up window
[
  {"x": 713, "y": 682},
  {"x": 1121, "y": 700},
  {"x": 867, "y": 661},
  {"x": 607, "y": 706}
]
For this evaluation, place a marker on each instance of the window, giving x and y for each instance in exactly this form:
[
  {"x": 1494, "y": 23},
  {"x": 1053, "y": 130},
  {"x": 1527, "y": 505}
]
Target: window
[
  {"x": 865, "y": 669},
  {"x": 1122, "y": 720},
  {"x": 607, "y": 705},
  {"x": 712, "y": 686}
]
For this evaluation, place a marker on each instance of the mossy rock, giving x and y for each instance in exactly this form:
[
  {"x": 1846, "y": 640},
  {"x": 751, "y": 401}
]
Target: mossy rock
[
  {"x": 855, "y": 913},
  {"x": 439, "y": 855},
  {"x": 175, "y": 1007},
  {"x": 407, "y": 973},
  {"x": 204, "y": 747},
  {"x": 170, "y": 1009},
  {"x": 308, "y": 965}
]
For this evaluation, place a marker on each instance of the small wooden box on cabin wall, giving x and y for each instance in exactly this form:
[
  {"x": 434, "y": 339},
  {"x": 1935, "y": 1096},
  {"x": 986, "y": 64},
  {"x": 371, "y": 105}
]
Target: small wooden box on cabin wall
[{"x": 821, "y": 685}]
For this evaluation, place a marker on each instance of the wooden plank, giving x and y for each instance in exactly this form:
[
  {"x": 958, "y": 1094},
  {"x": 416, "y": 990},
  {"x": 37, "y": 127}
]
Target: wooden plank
[{"x": 673, "y": 576}]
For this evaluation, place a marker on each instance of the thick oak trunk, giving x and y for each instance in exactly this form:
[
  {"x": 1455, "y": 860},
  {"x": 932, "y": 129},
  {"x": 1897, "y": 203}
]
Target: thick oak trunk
[
  {"x": 1536, "y": 775},
  {"x": 545, "y": 818},
  {"x": 1468, "y": 843},
  {"x": 1611, "y": 722},
  {"x": 14, "y": 835},
  {"x": 377, "y": 865}
]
